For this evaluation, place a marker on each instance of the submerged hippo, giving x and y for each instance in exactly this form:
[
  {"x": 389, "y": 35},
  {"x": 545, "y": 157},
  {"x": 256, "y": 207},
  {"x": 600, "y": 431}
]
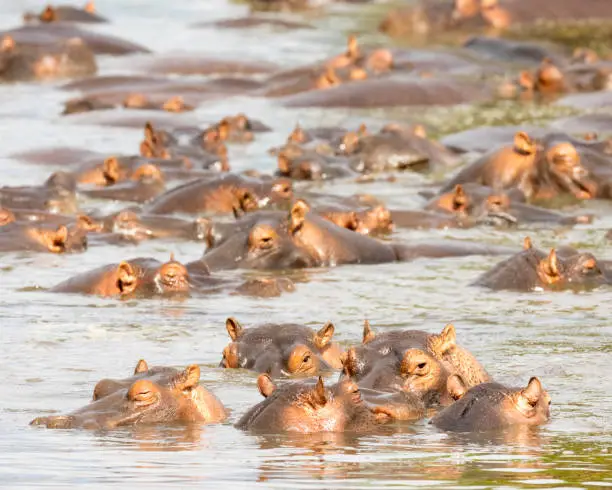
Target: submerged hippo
[
  {"x": 208, "y": 405},
  {"x": 146, "y": 183},
  {"x": 64, "y": 59},
  {"x": 135, "y": 277},
  {"x": 146, "y": 398},
  {"x": 393, "y": 345},
  {"x": 56, "y": 195},
  {"x": 309, "y": 407},
  {"x": 539, "y": 170},
  {"x": 491, "y": 406},
  {"x": 288, "y": 349},
  {"x": 42, "y": 238},
  {"x": 226, "y": 194},
  {"x": 66, "y": 13},
  {"x": 534, "y": 270}
]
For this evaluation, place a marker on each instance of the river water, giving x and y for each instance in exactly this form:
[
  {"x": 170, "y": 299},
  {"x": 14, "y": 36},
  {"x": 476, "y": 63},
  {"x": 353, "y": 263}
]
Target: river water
[{"x": 54, "y": 348}]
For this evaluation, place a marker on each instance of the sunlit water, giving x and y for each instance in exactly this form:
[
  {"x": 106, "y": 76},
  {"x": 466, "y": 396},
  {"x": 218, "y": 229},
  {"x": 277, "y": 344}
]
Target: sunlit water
[{"x": 53, "y": 348}]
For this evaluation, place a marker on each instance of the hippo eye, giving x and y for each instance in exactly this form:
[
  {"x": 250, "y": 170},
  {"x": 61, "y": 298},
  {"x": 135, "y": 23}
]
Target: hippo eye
[
  {"x": 306, "y": 358},
  {"x": 422, "y": 365}
]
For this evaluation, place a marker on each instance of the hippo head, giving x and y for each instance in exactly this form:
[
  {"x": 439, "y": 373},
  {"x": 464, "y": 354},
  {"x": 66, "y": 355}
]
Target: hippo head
[
  {"x": 456, "y": 201},
  {"x": 303, "y": 167},
  {"x": 60, "y": 240},
  {"x": 235, "y": 128},
  {"x": 425, "y": 376},
  {"x": 176, "y": 104},
  {"x": 201, "y": 405},
  {"x": 172, "y": 278},
  {"x": 128, "y": 224},
  {"x": 549, "y": 79},
  {"x": 148, "y": 173},
  {"x": 374, "y": 221},
  {"x": 143, "y": 402},
  {"x": 293, "y": 355},
  {"x": 350, "y": 143},
  {"x": 155, "y": 143},
  {"x": 576, "y": 272},
  {"x": 565, "y": 171},
  {"x": 491, "y": 406},
  {"x": 308, "y": 407}
]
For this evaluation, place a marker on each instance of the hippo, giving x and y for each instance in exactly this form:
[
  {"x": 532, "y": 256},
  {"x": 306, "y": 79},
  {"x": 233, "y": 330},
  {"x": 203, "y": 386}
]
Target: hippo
[
  {"x": 135, "y": 277},
  {"x": 146, "y": 183},
  {"x": 56, "y": 195},
  {"x": 394, "y": 148},
  {"x": 393, "y": 346},
  {"x": 42, "y": 238},
  {"x": 144, "y": 399},
  {"x": 310, "y": 165},
  {"x": 206, "y": 403},
  {"x": 135, "y": 227},
  {"x": 63, "y": 59},
  {"x": 139, "y": 101},
  {"x": 493, "y": 406},
  {"x": 66, "y": 13},
  {"x": 540, "y": 172},
  {"x": 233, "y": 129},
  {"x": 534, "y": 270},
  {"x": 309, "y": 407},
  {"x": 48, "y": 33},
  {"x": 226, "y": 194},
  {"x": 288, "y": 349}
]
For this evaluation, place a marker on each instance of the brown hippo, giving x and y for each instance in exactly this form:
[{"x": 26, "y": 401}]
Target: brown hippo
[
  {"x": 42, "y": 238},
  {"x": 309, "y": 407},
  {"x": 226, "y": 194},
  {"x": 208, "y": 405},
  {"x": 132, "y": 101},
  {"x": 394, "y": 148},
  {"x": 534, "y": 270},
  {"x": 64, "y": 59},
  {"x": 288, "y": 349},
  {"x": 66, "y": 13},
  {"x": 393, "y": 345},
  {"x": 135, "y": 277},
  {"x": 144, "y": 399},
  {"x": 474, "y": 204},
  {"x": 146, "y": 183},
  {"x": 135, "y": 227},
  {"x": 233, "y": 129},
  {"x": 56, "y": 195},
  {"x": 539, "y": 171},
  {"x": 492, "y": 406},
  {"x": 48, "y": 33},
  {"x": 311, "y": 165}
]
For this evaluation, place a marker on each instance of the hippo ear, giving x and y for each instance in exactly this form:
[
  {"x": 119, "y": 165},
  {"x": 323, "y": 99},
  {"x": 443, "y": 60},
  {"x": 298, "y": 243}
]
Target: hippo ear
[
  {"x": 187, "y": 379},
  {"x": 527, "y": 244},
  {"x": 234, "y": 329},
  {"x": 523, "y": 143},
  {"x": 48, "y": 15},
  {"x": 90, "y": 7},
  {"x": 224, "y": 129},
  {"x": 284, "y": 165},
  {"x": 297, "y": 135},
  {"x": 141, "y": 367},
  {"x": 8, "y": 44},
  {"x": 126, "y": 278},
  {"x": 362, "y": 130},
  {"x": 368, "y": 333},
  {"x": 174, "y": 104},
  {"x": 460, "y": 198},
  {"x": 419, "y": 130},
  {"x": 549, "y": 267},
  {"x": 352, "y": 46},
  {"x": 298, "y": 215},
  {"x": 324, "y": 336},
  {"x": 349, "y": 362},
  {"x": 318, "y": 396},
  {"x": 447, "y": 339},
  {"x": 533, "y": 392},
  {"x": 455, "y": 386},
  {"x": 265, "y": 384},
  {"x": 149, "y": 133}
]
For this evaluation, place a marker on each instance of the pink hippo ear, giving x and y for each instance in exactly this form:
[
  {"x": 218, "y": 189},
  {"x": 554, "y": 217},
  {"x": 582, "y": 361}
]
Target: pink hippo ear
[
  {"x": 127, "y": 282},
  {"x": 297, "y": 215},
  {"x": 527, "y": 244},
  {"x": 455, "y": 386},
  {"x": 548, "y": 268},
  {"x": 446, "y": 340},
  {"x": 368, "y": 333},
  {"x": 90, "y": 7},
  {"x": 141, "y": 367},
  {"x": 324, "y": 336},
  {"x": 265, "y": 385},
  {"x": 56, "y": 240},
  {"x": 533, "y": 391},
  {"x": 49, "y": 14},
  {"x": 318, "y": 397},
  {"x": 234, "y": 329}
]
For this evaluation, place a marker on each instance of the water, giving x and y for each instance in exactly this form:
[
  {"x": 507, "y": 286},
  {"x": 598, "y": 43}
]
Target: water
[{"x": 54, "y": 348}]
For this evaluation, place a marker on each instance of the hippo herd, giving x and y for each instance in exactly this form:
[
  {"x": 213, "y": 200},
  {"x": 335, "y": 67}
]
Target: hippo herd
[{"x": 179, "y": 184}]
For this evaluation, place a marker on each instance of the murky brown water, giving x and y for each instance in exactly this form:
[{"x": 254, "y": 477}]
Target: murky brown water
[{"x": 53, "y": 347}]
